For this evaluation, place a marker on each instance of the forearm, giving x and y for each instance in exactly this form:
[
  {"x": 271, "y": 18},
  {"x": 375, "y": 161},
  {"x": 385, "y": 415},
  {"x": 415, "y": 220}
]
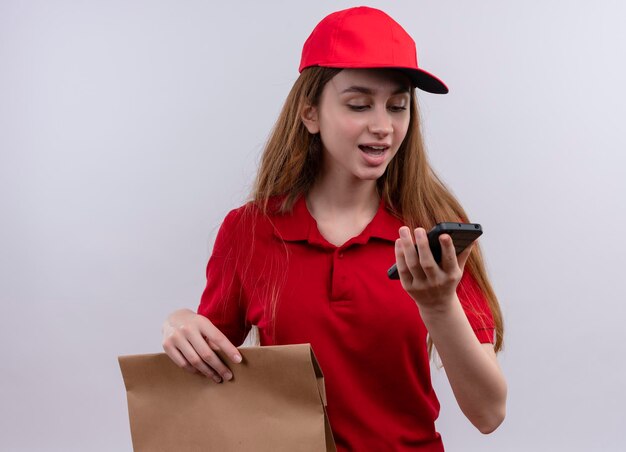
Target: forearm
[{"x": 472, "y": 369}]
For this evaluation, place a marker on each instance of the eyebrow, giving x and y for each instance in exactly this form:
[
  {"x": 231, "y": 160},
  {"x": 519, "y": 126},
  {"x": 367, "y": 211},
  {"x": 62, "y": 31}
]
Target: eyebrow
[{"x": 365, "y": 90}]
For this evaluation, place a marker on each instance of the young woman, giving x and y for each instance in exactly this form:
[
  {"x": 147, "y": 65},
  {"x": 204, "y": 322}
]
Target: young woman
[{"x": 344, "y": 191}]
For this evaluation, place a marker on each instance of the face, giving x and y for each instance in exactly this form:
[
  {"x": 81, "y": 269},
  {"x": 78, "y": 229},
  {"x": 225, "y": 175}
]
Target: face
[{"x": 362, "y": 118}]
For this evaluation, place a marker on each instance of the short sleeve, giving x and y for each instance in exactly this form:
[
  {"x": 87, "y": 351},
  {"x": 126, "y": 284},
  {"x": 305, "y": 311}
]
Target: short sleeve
[
  {"x": 476, "y": 307},
  {"x": 222, "y": 302}
]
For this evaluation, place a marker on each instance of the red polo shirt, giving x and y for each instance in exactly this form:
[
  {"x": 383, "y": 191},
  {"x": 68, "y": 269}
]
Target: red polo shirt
[{"x": 366, "y": 330}]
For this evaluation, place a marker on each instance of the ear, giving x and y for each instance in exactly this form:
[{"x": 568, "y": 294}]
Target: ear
[{"x": 310, "y": 119}]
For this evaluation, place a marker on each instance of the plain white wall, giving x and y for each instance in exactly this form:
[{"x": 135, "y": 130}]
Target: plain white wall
[{"x": 128, "y": 129}]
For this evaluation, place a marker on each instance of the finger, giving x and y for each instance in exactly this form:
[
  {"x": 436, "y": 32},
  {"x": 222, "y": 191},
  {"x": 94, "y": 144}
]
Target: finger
[
  {"x": 448, "y": 253},
  {"x": 464, "y": 256},
  {"x": 403, "y": 271},
  {"x": 209, "y": 356},
  {"x": 196, "y": 361},
  {"x": 426, "y": 259},
  {"x": 410, "y": 254},
  {"x": 219, "y": 341},
  {"x": 178, "y": 358}
]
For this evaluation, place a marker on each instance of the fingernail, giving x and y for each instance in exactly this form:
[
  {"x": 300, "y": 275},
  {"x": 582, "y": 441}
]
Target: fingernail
[
  {"x": 237, "y": 358},
  {"x": 228, "y": 376},
  {"x": 217, "y": 379}
]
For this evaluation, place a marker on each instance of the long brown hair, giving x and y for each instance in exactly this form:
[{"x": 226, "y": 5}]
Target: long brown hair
[{"x": 411, "y": 190}]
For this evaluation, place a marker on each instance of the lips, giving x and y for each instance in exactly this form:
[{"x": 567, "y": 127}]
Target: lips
[
  {"x": 374, "y": 154},
  {"x": 373, "y": 149}
]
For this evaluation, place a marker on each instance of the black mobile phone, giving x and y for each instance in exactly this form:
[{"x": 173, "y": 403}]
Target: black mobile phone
[{"x": 462, "y": 235}]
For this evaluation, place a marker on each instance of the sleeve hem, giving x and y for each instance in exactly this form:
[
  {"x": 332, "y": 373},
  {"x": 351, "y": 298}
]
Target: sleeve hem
[{"x": 485, "y": 335}]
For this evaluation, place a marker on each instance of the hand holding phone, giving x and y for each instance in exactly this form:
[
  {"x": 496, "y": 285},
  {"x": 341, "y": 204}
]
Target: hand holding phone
[{"x": 463, "y": 234}]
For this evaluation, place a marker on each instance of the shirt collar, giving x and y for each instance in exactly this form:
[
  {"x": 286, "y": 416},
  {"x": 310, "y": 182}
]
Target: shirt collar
[{"x": 299, "y": 225}]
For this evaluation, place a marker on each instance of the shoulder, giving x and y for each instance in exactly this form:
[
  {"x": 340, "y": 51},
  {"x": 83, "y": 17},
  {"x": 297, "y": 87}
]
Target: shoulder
[
  {"x": 246, "y": 228},
  {"x": 251, "y": 217},
  {"x": 253, "y": 211}
]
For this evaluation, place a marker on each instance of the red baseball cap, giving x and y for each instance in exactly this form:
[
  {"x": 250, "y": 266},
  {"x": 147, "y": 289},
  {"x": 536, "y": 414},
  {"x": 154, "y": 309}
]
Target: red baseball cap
[{"x": 364, "y": 37}]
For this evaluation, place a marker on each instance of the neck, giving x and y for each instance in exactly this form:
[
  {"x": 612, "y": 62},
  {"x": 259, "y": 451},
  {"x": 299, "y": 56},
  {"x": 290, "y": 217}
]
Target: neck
[{"x": 335, "y": 197}]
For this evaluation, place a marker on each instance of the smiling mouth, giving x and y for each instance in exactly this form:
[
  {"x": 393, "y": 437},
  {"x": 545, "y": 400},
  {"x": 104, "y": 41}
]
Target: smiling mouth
[{"x": 373, "y": 150}]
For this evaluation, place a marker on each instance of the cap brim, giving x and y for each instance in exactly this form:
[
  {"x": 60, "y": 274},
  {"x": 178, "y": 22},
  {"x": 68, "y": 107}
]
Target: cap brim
[
  {"x": 426, "y": 81},
  {"x": 419, "y": 77}
]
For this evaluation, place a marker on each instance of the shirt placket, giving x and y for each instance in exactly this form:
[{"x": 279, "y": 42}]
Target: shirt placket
[{"x": 341, "y": 286}]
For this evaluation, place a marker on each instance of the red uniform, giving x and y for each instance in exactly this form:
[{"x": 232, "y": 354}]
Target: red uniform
[{"x": 364, "y": 328}]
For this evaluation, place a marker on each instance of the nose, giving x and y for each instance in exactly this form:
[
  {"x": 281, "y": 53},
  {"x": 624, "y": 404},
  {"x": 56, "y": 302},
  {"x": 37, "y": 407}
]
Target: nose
[{"x": 380, "y": 123}]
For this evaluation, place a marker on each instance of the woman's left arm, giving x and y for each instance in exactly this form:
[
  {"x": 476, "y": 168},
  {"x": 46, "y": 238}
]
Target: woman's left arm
[{"x": 471, "y": 367}]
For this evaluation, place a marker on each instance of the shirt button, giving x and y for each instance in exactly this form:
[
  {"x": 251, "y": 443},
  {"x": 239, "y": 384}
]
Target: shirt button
[{"x": 340, "y": 255}]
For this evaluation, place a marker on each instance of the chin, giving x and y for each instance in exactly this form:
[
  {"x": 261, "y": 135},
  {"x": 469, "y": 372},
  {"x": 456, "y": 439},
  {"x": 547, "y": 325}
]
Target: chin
[{"x": 372, "y": 174}]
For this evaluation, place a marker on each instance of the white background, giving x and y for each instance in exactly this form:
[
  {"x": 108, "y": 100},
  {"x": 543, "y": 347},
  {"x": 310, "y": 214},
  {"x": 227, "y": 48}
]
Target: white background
[{"x": 128, "y": 129}]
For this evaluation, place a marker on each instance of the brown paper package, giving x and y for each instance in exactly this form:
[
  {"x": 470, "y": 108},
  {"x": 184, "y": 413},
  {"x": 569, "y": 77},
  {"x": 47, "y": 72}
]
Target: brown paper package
[{"x": 275, "y": 402}]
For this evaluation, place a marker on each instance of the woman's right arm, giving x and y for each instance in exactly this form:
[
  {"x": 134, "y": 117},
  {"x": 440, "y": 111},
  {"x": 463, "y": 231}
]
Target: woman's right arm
[{"x": 191, "y": 340}]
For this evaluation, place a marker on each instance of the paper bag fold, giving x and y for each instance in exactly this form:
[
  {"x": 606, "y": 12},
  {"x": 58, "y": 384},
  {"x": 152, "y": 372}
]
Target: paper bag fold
[{"x": 275, "y": 402}]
